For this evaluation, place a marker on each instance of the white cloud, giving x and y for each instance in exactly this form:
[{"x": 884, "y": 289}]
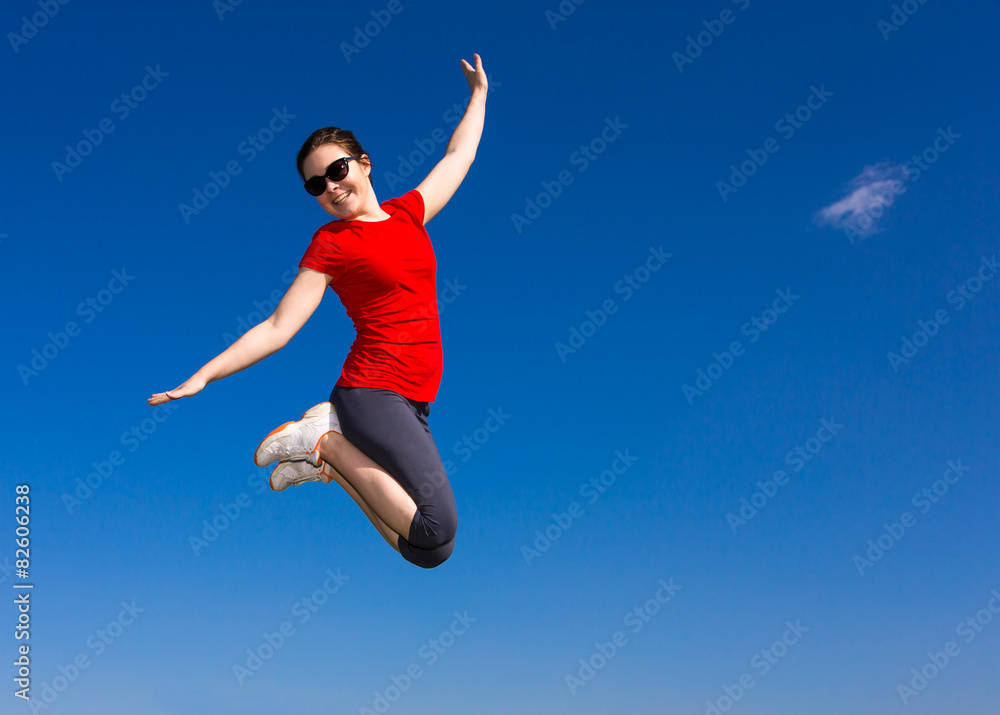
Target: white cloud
[{"x": 869, "y": 193}]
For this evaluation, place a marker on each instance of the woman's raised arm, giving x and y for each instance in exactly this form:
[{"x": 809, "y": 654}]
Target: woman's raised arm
[
  {"x": 444, "y": 179},
  {"x": 299, "y": 302}
]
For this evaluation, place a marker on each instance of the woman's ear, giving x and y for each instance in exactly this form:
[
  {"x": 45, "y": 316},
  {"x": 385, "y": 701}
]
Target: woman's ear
[{"x": 367, "y": 163}]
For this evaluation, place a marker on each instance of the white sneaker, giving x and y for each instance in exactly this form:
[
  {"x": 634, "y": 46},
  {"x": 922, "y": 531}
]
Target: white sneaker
[
  {"x": 298, "y": 471},
  {"x": 299, "y": 439}
]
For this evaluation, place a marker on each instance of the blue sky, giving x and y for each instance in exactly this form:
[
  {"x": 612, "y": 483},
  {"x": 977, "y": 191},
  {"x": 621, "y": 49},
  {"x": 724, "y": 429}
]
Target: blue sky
[{"x": 824, "y": 181}]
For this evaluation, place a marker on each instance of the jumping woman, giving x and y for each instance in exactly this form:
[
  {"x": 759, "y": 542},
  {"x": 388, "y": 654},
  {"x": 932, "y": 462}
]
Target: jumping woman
[{"x": 372, "y": 437}]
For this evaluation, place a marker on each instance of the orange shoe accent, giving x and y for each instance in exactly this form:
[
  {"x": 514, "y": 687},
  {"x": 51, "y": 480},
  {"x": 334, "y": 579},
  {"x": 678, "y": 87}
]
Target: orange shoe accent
[{"x": 269, "y": 435}]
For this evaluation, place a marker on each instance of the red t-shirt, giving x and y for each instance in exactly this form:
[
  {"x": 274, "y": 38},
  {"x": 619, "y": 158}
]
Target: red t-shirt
[{"x": 384, "y": 273}]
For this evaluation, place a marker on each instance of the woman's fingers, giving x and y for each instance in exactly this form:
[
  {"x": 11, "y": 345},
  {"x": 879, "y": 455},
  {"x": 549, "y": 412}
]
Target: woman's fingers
[
  {"x": 161, "y": 397},
  {"x": 192, "y": 386},
  {"x": 475, "y": 75}
]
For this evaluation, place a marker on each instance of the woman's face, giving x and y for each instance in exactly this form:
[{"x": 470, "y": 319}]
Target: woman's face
[{"x": 342, "y": 199}]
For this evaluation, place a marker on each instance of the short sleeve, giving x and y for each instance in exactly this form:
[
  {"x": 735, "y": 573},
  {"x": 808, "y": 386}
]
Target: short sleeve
[
  {"x": 324, "y": 255},
  {"x": 412, "y": 204}
]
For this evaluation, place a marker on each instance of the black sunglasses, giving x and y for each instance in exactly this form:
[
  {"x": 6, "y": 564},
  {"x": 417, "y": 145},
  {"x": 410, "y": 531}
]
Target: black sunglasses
[{"x": 335, "y": 172}]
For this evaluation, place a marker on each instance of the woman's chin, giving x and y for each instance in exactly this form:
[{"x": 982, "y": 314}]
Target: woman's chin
[
  {"x": 341, "y": 212},
  {"x": 348, "y": 209}
]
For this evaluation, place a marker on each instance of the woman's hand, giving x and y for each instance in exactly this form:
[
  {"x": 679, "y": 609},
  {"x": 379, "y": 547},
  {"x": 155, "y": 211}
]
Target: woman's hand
[
  {"x": 192, "y": 386},
  {"x": 475, "y": 75},
  {"x": 444, "y": 179}
]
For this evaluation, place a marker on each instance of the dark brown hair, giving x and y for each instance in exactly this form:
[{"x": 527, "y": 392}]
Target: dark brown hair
[{"x": 331, "y": 135}]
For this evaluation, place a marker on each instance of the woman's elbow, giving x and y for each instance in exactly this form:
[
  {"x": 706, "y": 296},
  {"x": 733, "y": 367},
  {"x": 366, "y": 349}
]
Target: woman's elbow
[{"x": 277, "y": 334}]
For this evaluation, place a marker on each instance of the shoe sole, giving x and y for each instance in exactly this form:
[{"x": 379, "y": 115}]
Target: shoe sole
[
  {"x": 324, "y": 478},
  {"x": 278, "y": 432}
]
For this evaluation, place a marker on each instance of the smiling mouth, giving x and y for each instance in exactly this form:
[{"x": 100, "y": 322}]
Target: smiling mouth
[{"x": 340, "y": 199}]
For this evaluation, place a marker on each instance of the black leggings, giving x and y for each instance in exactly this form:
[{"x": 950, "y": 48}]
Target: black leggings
[{"x": 392, "y": 430}]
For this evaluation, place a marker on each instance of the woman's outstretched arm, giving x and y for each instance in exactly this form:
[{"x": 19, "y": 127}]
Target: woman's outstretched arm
[
  {"x": 266, "y": 338},
  {"x": 444, "y": 179}
]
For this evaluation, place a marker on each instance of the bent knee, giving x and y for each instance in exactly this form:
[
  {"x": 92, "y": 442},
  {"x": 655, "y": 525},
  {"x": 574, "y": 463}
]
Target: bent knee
[
  {"x": 429, "y": 536},
  {"x": 432, "y": 558}
]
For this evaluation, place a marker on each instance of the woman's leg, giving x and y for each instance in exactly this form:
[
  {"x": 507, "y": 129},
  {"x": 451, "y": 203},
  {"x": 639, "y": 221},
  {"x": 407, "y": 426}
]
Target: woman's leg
[
  {"x": 388, "y": 534},
  {"x": 385, "y": 434},
  {"x": 374, "y": 485}
]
